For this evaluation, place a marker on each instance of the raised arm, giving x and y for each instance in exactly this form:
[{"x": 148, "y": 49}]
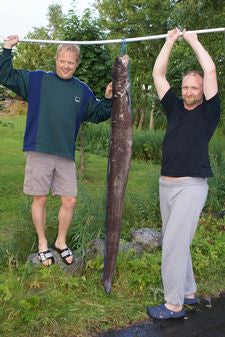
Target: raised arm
[
  {"x": 15, "y": 80},
  {"x": 160, "y": 67},
  {"x": 210, "y": 86}
]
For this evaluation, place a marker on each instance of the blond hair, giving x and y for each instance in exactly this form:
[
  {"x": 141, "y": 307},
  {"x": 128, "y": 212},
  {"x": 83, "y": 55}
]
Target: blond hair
[{"x": 73, "y": 48}]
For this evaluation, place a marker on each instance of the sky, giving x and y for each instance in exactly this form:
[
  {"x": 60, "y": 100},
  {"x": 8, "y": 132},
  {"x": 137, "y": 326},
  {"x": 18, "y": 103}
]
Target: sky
[{"x": 20, "y": 16}]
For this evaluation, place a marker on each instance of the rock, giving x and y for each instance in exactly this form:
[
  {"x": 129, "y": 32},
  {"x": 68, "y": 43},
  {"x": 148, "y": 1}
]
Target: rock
[
  {"x": 147, "y": 237},
  {"x": 126, "y": 246},
  {"x": 96, "y": 248},
  {"x": 74, "y": 269}
]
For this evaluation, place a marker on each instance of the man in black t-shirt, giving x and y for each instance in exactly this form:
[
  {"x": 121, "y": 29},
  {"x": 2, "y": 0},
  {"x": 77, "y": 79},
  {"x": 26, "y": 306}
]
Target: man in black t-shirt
[{"x": 191, "y": 122}]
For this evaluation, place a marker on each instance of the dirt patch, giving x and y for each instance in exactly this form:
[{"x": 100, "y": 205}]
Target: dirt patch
[{"x": 13, "y": 107}]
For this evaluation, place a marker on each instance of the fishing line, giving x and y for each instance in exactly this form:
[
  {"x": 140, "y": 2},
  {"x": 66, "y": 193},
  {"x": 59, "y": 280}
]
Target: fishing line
[{"x": 123, "y": 46}]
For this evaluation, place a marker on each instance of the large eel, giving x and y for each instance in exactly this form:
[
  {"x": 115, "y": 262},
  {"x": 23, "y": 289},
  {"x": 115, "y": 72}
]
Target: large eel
[{"x": 120, "y": 150}]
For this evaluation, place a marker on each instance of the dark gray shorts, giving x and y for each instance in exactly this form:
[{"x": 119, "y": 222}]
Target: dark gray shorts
[{"x": 46, "y": 172}]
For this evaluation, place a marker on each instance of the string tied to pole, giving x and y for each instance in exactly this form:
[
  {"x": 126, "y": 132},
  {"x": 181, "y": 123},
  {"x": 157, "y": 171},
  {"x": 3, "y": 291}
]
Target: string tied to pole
[{"x": 123, "y": 46}]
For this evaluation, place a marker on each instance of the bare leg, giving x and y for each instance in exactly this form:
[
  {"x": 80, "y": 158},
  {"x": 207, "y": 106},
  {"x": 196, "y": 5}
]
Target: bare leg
[
  {"x": 65, "y": 217},
  {"x": 39, "y": 220}
]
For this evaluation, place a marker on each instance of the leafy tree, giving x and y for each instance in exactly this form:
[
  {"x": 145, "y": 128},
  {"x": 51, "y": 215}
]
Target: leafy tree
[
  {"x": 129, "y": 18},
  {"x": 55, "y": 18}
]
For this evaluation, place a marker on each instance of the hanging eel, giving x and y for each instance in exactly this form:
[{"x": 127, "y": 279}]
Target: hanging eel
[{"x": 120, "y": 150}]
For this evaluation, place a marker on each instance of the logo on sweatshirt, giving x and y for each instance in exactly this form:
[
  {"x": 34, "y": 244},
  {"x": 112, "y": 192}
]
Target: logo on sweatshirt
[{"x": 77, "y": 99}]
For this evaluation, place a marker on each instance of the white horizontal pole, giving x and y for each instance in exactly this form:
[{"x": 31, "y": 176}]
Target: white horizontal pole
[{"x": 132, "y": 39}]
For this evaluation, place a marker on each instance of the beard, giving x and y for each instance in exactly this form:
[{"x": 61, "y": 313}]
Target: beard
[{"x": 192, "y": 101}]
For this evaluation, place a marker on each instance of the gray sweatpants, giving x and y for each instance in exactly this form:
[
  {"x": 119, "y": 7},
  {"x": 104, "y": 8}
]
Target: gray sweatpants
[{"x": 181, "y": 203}]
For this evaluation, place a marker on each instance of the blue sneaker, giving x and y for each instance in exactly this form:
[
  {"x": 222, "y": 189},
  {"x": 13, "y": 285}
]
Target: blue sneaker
[{"x": 161, "y": 312}]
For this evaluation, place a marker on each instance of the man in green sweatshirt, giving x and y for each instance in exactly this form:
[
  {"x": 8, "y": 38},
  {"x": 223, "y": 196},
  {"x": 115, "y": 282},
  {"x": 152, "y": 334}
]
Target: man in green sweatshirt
[{"x": 58, "y": 103}]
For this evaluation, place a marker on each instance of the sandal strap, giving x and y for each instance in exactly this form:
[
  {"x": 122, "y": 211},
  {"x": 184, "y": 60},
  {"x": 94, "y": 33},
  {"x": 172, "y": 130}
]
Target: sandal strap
[
  {"x": 46, "y": 255},
  {"x": 66, "y": 252}
]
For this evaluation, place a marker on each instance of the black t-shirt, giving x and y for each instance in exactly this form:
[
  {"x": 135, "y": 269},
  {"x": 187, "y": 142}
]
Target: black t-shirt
[{"x": 185, "y": 145}]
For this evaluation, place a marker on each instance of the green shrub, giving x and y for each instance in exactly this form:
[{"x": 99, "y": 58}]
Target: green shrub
[
  {"x": 216, "y": 197},
  {"x": 146, "y": 144}
]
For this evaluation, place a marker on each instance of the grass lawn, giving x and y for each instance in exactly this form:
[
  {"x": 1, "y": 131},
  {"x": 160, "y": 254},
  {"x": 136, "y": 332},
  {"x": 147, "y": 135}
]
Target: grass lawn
[{"x": 42, "y": 302}]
